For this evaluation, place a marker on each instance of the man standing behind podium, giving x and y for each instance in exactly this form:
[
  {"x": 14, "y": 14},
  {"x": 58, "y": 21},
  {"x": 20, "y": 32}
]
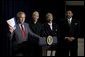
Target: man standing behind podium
[
  {"x": 19, "y": 36},
  {"x": 52, "y": 29},
  {"x": 71, "y": 32}
]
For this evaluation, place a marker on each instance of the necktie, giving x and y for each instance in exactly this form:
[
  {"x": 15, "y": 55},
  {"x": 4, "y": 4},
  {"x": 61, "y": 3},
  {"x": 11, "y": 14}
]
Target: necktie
[
  {"x": 23, "y": 31},
  {"x": 70, "y": 32}
]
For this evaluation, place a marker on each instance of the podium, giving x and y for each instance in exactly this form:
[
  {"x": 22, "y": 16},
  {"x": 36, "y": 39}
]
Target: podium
[{"x": 50, "y": 40}]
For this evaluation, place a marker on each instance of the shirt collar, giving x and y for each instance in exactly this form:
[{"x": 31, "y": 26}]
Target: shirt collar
[
  {"x": 50, "y": 24},
  {"x": 69, "y": 18}
]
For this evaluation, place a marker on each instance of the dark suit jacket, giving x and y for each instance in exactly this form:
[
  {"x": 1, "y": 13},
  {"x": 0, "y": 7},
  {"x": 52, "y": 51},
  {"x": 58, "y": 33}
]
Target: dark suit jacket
[
  {"x": 36, "y": 28},
  {"x": 70, "y": 31},
  {"x": 54, "y": 32}
]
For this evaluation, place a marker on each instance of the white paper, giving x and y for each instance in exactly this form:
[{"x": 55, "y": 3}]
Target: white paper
[{"x": 11, "y": 22}]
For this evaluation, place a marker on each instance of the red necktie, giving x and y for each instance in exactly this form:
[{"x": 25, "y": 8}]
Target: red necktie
[{"x": 23, "y": 31}]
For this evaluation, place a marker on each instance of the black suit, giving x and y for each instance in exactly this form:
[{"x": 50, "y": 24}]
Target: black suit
[
  {"x": 70, "y": 30},
  {"x": 35, "y": 48},
  {"x": 47, "y": 30},
  {"x": 54, "y": 32}
]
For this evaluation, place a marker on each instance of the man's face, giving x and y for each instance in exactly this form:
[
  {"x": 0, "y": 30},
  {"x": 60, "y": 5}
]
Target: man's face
[
  {"x": 69, "y": 14},
  {"x": 49, "y": 17},
  {"x": 35, "y": 16},
  {"x": 22, "y": 18}
]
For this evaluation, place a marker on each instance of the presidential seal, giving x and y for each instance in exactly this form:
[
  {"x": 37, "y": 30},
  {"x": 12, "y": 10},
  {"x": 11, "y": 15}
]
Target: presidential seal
[{"x": 49, "y": 40}]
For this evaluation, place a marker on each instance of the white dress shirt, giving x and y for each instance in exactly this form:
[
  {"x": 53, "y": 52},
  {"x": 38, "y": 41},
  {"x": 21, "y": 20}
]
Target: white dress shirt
[
  {"x": 51, "y": 27},
  {"x": 21, "y": 27},
  {"x": 70, "y": 20}
]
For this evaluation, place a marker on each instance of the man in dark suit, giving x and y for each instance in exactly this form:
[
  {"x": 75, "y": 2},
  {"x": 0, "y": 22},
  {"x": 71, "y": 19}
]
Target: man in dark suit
[
  {"x": 70, "y": 31},
  {"x": 19, "y": 36},
  {"x": 50, "y": 28},
  {"x": 36, "y": 27}
]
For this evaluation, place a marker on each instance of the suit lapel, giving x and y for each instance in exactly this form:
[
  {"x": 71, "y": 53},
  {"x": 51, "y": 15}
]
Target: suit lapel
[
  {"x": 48, "y": 26},
  {"x": 19, "y": 30},
  {"x": 25, "y": 26}
]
